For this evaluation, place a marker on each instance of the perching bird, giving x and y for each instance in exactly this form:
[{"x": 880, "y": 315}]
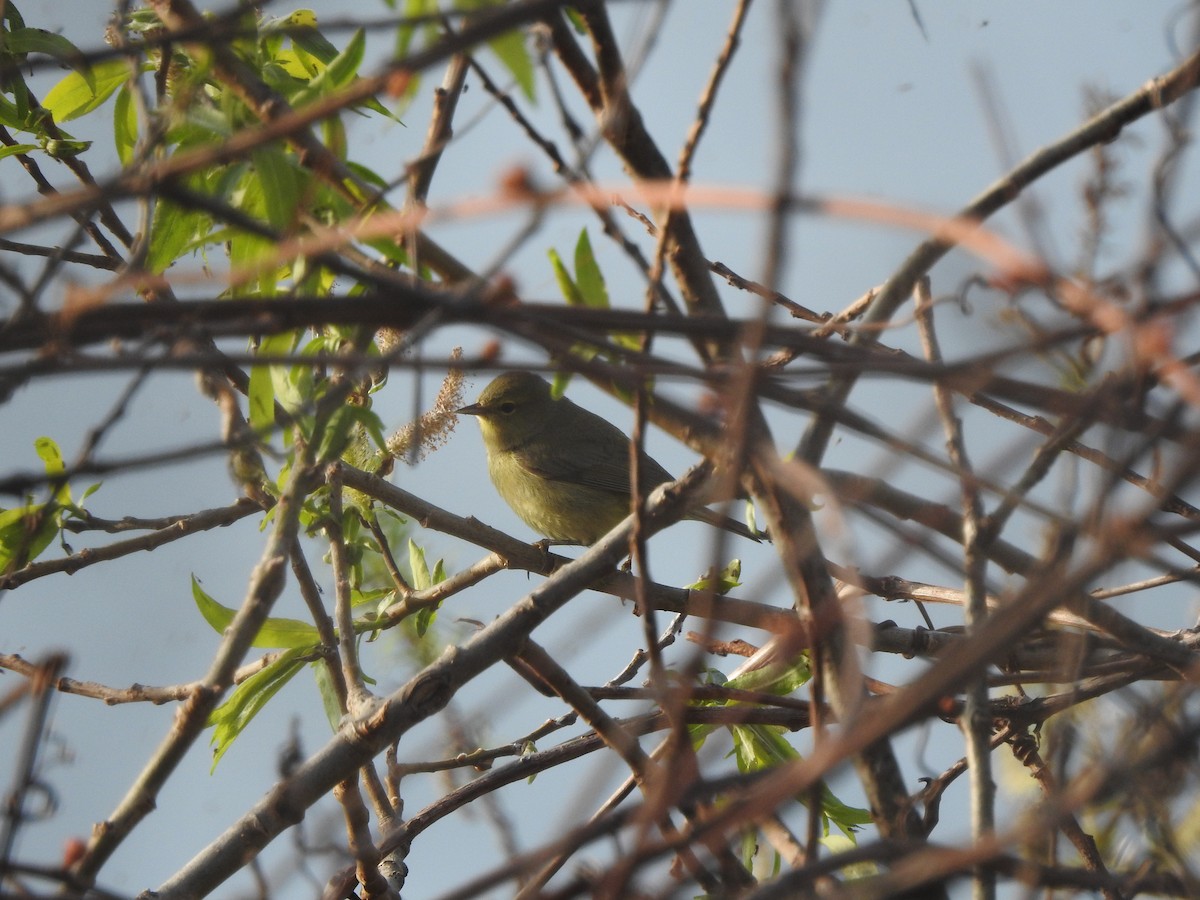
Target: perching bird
[{"x": 562, "y": 469}]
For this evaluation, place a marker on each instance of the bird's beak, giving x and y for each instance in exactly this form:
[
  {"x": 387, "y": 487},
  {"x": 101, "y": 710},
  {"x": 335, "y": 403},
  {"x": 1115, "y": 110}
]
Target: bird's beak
[{"x": 473, "y": 410}]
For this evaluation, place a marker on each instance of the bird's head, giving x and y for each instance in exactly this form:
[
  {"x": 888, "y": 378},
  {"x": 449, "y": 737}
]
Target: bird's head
[{"x": 512, "y": 409}]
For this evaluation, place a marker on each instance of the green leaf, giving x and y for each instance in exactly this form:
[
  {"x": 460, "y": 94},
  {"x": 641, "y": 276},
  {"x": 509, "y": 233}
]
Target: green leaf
[
  {"x": 12, "y": 116},
  {"x": 421, "y": 580},
  {"x": 51, "y": 457},
  {"x": 17, "y": 148},
  {"x": 261, "y": 394},
  {"x": 12, "y": 17},
  {"x": 266, "y": 382},
  {"x": 776, "y": 678},
  {"x": 343, "y": 68},
  {"x": 758, "y": 747},
  {"x": 328, "y": 691},
  {"x": 720, "y": 583},
  {"x": 26, "y": 532},
  {"x": 841, "y": 843},
  {"x": 249, "y": 253},
  {"x": 333, "y": 135},
  {"x": 200, "y": 124},
  {"x": 576, "y": 20},
  {"x": 48, "y": 452},
  {"x": 172, "y": 229},
  {"x": 566, "y": 284},
  {"x": 512, "y": 52},
  {"x": 293, "y": 385},
  {"x": 313, "y": 43},
  {"x": 417, "y": 566},
  {"x": 125, "y": 125},
  {"x": 20, "y": 542},
  {"x": 76, "y": 95},
  {"x": 35, "y": 40},
  {"x": 60, "y": 148},
  {"x": 588, "y": 277},
  {"x": 340, "y": 431},
  {"x": 280, "y": 186},
  {"x": 340, "y": 71},
  {"x": 230, "y": 719},
  {"x": 413, "y": 9},
  {"x": 275, "y": 633}
]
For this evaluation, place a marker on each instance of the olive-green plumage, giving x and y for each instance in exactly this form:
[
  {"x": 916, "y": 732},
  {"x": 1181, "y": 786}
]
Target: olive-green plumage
[{"x": 562, "y": 469}]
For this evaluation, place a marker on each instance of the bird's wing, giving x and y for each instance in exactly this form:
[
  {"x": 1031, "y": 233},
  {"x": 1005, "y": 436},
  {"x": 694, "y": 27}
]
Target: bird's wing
[{"x": 593, "y": 467}]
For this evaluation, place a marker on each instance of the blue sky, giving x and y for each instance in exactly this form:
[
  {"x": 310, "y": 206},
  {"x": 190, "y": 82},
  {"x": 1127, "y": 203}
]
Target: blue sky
[{"x": 889, "y": 112}]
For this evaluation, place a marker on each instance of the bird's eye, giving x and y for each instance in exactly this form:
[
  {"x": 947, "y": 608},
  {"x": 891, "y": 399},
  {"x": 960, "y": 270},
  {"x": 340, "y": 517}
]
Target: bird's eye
[{"x": 507, "y": 407}]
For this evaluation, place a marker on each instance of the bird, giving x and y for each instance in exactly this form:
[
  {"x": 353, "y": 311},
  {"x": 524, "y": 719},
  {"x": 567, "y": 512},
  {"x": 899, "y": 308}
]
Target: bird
[{"x": 561, "y": 468}]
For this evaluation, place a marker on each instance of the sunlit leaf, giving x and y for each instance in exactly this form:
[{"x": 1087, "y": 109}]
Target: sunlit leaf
[
  {"x": 125, "y": 125},
  {"x": 61, "y": 148},
  {"x": 173, "y": 229},
  {"x": 25, "y": 533},
  {"x": 566, "y": 284},
  {"x": 329, "y": 695},
  {"x": 841, "y": 843},
  {"x": 261, "y": 397},
  {"x": 293, "y": 384},
  {"x": 280, "y": 186},
  {"x": 423, "y": 579},
  {"x": 52, "y": 461},
  {"x": 412, "y": 10},
  {"x": 12, "y": 116},
  {"x": 230, "y": 719},
  {"x": 340, "y": 71},
  {"x": 510, "y": 48},
  {"x": 340, "y": 431},
  {"x": 588, "y": 278},
  {"x": 758, "y": 747},
  {"x": 76, "y": 95},
  {"x": 776, "y": 678},
  {"x": 36, "y": 40},
  {"x": 720, "y": 583},
  {"x": 275, "y": 633},
  {"x": 17, "y": 148},
  {"x": 417, "y": 566}
]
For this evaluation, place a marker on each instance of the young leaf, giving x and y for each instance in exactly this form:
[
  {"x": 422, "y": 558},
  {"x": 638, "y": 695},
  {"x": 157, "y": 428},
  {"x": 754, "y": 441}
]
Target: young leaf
[
  {"x": 76, "y": 95},
  {"x": 15, "y": 149},
  {"x": 22, "y": 41},
  {"x": 512, "y": 52},
  {"x": 275, "y": 633},
  {"x": 280, "y": 186},
  {"x": 588, "y": 277},
  {"x": 25, "y": 533},
  {"x": 775, "y": 678},
  {"x": 720, "y": 583},
  {"x": 313, "y": 43},
  {"x": 566, "y": 284},
  {"x": 340, "y": 71},
  {"x": 758, "y": 747},
  {"x": 51, "y": 457},
  {"x": 422, "y": 579},
  {"x": 328, "y": 692},
  {"x": 343, "y": 428},
  {"x": 417, "y": 566},
  {"x": 293, "y": 385},
  {"x": 125, "y": 125},
  {"x": 172, "y": 230},
  {"x": 231, "y": 718}
]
